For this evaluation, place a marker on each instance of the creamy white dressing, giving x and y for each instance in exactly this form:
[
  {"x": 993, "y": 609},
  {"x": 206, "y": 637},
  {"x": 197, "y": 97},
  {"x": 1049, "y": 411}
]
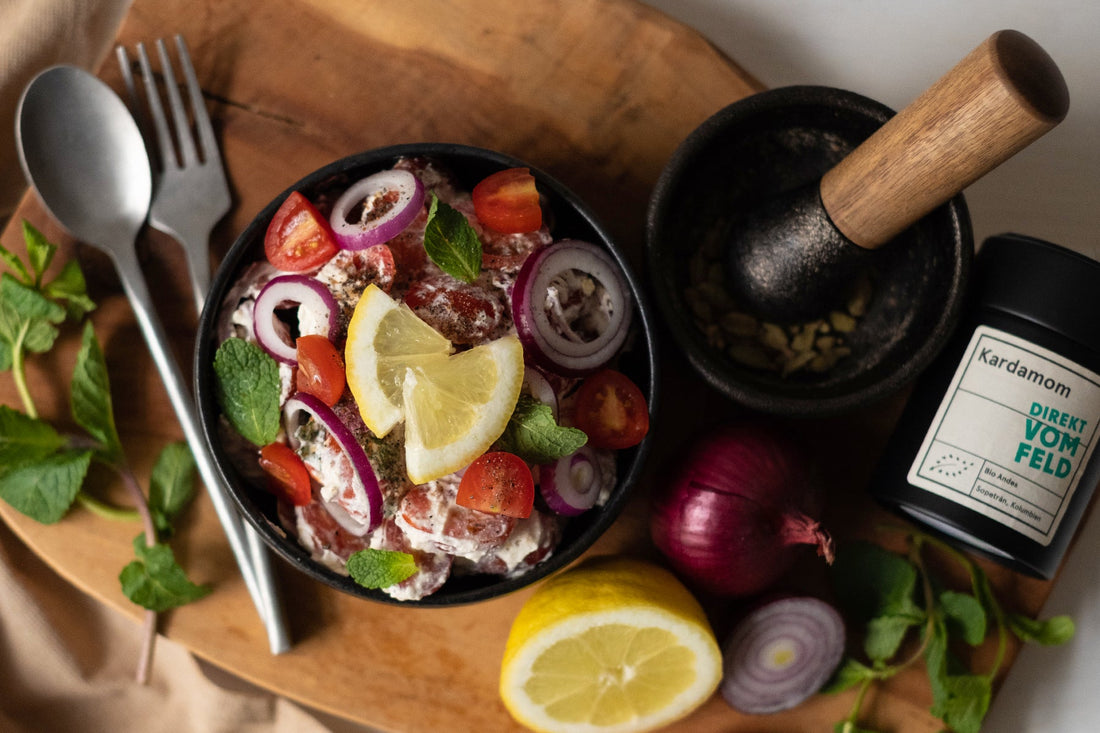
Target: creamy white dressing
[
  {"x": 317, "y": 550},
  {"x": 524, "y": 539},
  {"x": 441, "y": 493}
]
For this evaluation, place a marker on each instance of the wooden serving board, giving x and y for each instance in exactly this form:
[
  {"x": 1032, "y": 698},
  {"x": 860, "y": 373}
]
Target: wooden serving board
[{"x": 596, "y": 93}]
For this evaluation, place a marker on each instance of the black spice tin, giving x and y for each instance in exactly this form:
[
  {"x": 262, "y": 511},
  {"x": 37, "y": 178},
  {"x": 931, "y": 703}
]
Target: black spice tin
[{"x": 996, "y": 447}]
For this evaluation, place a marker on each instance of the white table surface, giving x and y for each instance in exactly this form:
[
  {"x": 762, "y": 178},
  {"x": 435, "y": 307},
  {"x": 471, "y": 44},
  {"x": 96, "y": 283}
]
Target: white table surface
[{"x": 891, "y": 50}]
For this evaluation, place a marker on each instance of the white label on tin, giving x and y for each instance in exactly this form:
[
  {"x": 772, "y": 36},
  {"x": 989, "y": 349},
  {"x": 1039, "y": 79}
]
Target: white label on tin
[{"x": 1012, "y": 435}]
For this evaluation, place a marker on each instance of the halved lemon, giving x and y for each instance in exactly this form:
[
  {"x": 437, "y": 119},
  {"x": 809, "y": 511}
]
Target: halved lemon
[
  {"x": 454, "y": 405},
  {"x": 614, "y": 645}
]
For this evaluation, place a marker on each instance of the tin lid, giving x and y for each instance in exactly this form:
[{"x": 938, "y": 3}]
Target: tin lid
[{"x": 1042, "y": 282}]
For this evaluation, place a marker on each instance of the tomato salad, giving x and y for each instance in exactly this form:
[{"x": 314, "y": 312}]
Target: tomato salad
[{"x": 343, "y": 491}]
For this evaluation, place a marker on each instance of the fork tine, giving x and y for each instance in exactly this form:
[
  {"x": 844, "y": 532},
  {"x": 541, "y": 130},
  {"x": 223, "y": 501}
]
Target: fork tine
[
  {"x": 205, "y": 130},
  {"x": 140, "y": 111},
  {"x": 183, "y": 138},
  {"x": 156, "y": 110}
]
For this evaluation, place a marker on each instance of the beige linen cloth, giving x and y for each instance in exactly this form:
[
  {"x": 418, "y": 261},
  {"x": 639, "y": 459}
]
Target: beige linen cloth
[{"x": 66, "y": 661}]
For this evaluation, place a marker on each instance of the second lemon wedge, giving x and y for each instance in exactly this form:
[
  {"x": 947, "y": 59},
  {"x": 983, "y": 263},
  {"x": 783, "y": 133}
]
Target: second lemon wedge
[{"x": 454, "y": 405}]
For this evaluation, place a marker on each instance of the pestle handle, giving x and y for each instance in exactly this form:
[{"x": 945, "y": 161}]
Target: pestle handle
[{"x": 1003, "y": 96}]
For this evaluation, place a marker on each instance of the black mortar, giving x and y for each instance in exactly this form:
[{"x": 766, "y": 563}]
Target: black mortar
[{"x": 775, "y": 142}]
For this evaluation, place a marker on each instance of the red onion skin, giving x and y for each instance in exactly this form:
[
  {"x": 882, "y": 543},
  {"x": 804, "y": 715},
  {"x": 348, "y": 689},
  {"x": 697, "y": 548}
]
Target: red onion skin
[{"x": 737, "y": 511}]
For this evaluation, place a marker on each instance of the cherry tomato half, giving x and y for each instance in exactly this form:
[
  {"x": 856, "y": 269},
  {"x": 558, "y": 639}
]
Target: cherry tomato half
[
  {"x": 498, "y": 483},
  {"x": 298, "y": 239},
  {"x": 611, "y": 410},
  {"x": 508, "y": 202},
  {"x": 288, "y": 477},
  {"x": 320, "y": 369}
]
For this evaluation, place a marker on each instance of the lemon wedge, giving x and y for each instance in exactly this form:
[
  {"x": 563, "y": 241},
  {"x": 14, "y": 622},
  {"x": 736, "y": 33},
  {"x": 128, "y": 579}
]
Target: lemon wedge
[
  {"x": 401, "y": 369},
  {"x": 614, "y": 645}
]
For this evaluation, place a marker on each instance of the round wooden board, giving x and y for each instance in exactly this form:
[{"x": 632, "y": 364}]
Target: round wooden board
[{"x": 598, "y": 94}]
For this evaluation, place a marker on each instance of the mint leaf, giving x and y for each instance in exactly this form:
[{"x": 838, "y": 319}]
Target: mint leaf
[
  {"x": 39, "y": 251},
  {"x": 1051, "y": 632},
  {"x": 14, "y": 263},
  {"x": 24, "y": 439},
  {"x": 372, "y": 568},
  {"x": 91, "y": 396},
  {"x": 156, "y": 581},
  {"x": 533, "y": 435},
  {"x": 45, "y": 488},
  {"x": 871, "y": 581},
  {"x": 69, "y": 286},
  {"x": 967, "y": 702},
  {"x": 248, "y": 390},
  {"x": 27, "y": 319},
  {"x": 886, "y": 633},
  {"x": 451, "y": 242},
  {"x": 171, "y": 485},
  {"x": 936, "y": 662},
  {"x": 965, "y": 615}
]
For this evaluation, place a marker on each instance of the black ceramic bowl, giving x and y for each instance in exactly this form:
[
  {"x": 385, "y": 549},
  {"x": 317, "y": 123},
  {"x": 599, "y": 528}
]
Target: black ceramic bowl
[
  {"x": 769, "y": 143},
  {"x": 571, "y": 219}
]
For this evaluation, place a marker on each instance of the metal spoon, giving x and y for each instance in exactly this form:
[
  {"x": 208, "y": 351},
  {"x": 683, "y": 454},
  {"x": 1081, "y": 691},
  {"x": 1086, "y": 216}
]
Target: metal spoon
[{"x": 84, "y": 155}]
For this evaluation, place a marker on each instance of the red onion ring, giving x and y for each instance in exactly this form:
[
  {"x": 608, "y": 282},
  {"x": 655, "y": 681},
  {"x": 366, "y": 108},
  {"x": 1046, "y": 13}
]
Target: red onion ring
[
  {"x": 571, "y": 484},
  {"x": 389, "y": 201},
  {"x": 299, "y": 290},
  {"x": 367, "y": 493},
  {"x": 541, "y": 339},
  {"x": 348, "y": 523},
  {"x": 780, "y": 654}
]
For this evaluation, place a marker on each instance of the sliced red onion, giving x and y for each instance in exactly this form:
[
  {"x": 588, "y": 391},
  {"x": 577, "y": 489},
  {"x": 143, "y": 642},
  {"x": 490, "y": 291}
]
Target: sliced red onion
[
  {"x": 348, "y": 523},
  {"x": 365, "y": 505},
  {"x": 546, "y": 332},
  {"x": 571, "y": 484},
  {"x": 780, "y": 654},
  {"x": 538, "y": 386},
  {"x": 281, "y": 292},
  {"x": 376, "y": 209}
]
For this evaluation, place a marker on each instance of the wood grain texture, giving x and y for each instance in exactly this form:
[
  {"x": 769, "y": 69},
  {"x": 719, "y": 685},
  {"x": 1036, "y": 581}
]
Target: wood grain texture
[{"x": 596, "y": 93}]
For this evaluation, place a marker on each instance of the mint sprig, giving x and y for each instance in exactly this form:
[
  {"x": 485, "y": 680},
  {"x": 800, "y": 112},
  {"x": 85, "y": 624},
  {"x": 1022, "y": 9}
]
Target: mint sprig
[
  {"x": 373, "y": 568},
  {"x": 451, "y": 241},
  {"x": 43, "y": 471},
  {"x": 155, "y": 580},
  {"x": 896, "y": 598},
  {"x": 247, "y": 389},
  {"x": 534, "y": 435}
]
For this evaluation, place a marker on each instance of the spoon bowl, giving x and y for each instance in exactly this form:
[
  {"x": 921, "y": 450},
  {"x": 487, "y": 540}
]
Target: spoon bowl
[{"x": 83, "y": 153}]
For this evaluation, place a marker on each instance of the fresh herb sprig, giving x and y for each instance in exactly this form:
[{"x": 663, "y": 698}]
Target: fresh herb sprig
[
  {"x": 898, "y": 598},
  {"x": 43, "y": 471},
  {"x": 534, "y": 435},
  {"x": 373, "y": 568},
  {"x": 451, "y": 241}
]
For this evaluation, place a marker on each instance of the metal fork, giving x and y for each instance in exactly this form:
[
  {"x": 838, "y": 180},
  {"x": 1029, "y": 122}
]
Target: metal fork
[
  {"x": 191, "y": 193},
  {"x": 190, "y": 196}
]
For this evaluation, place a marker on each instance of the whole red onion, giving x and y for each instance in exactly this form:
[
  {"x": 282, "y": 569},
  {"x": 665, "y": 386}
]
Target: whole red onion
[{"x": 738, "y": 509}]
